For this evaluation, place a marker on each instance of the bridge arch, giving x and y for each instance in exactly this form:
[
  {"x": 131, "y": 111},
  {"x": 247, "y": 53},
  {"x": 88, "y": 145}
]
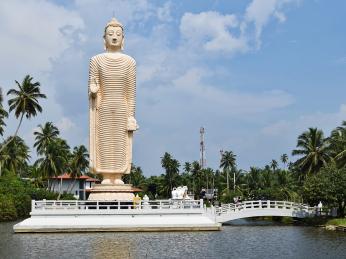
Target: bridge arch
[{"x": 248, "y": 209}]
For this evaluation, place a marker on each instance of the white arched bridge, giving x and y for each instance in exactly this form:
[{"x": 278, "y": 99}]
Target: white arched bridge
[{"x": 248, "y": 209}]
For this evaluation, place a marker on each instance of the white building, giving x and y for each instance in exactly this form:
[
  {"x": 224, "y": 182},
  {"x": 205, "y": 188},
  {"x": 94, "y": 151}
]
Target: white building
[{"x": 79, "y": 187}]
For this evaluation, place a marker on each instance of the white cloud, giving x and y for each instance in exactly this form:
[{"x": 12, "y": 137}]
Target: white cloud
[
  {"x": 65, "y": 124},
  {"x": 212, "y": 31},
  {"x": 260, "y": 12},
  {"x": 164, "y": 12},
  {"x": 325, "y": 121},
  {"x": 33, "y": 33},
  {"x": 233, "y": 102}
]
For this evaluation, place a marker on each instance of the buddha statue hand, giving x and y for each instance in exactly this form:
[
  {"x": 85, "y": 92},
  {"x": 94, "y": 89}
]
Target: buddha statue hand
[
  {"x": 94, "y": 87},
  {"x": 132, "y": 124}
]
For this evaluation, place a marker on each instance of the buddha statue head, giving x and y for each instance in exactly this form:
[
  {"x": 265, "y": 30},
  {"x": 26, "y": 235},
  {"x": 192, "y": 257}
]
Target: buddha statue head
[{"x": 114, "y": 36}]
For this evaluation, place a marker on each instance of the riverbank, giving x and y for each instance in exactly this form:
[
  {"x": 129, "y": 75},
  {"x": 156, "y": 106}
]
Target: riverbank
[
  {"x": 337, "y": 224},
  {"x": 16, "y": 196}
]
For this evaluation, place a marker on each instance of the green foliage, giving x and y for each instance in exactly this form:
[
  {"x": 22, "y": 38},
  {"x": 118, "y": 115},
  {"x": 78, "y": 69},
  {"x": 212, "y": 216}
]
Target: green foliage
[
  {"x": 337, "y": 222},
  {"x": 16, "y": 196},
  {"x": 329, "y": 187},
  {"x": 314, "y": 151},
  {"x": 8, "y": 210}
]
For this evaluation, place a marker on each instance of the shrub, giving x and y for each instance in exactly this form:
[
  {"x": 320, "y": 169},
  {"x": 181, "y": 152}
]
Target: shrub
[{"x": 7, "y": 208}]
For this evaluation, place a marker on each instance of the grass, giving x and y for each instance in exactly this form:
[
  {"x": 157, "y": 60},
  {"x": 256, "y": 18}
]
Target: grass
[{"x": 337, "y": 222}]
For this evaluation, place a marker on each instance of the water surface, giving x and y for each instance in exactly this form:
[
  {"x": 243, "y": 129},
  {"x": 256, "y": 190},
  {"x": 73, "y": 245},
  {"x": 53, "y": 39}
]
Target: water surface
[{"x": 254, "y": 240}]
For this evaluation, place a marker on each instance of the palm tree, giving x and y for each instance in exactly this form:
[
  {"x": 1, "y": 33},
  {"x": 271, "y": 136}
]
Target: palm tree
[
  {"x": 284, "y": 159},
  {"x": 3, "y": 115},
  {"x": 24, "y": 102},
  {"x": 274, "y": 165},
  {"x": 171, "y": 167},
  {"x": 337, "y": 142},
  {"x": 79, "y": 163},
  {"x": 135, "y": 177},
  {"x": 15, "y": 155},
  {"x": 196, "y": 172},
  {"x": 46, "y": 135},
  {"x": 254, "y": 181},
  {"x": 187, "y": 167},
  {"x": 313, "y": 148},
  {"x": 55, "y": 159},
  {"x": 228, "y": 161}
]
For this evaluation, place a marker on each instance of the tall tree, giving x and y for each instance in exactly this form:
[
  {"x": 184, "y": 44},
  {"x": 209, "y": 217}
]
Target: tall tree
[
  {"x": 3, "y": 115},
  {"x": 171, "y": 167},
  {"x": 78, "y": 164},
  {"x": 284, "y": 159},
  {"x": 337, "y": 142},
  {"x": 25, "y": 102},
  {"x": 55, "y": 159},
  {"x": 196, "y": 173},
  {"x": 45, "y": 136},
  {"x": 313, "y": 149},
  {"x": 274, "y": 165},
  {"x": 15, "y": 155},
  {"x": 227, "y": 163}
]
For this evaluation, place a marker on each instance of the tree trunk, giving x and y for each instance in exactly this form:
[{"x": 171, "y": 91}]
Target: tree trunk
[
  {"x": 15, "y": 134},
  {"x": 227, "y": 179},
  {"x": 60, "y": 189}
]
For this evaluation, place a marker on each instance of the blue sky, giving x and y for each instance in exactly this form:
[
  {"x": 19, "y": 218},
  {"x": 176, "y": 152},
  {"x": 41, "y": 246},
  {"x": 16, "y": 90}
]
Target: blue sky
[{"x": 255, "y": 73}]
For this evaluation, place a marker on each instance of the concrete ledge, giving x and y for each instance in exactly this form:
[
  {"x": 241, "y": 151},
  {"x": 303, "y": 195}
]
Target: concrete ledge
[
  {"x": 216, "y": 227},
  {"x": 117, "y": 223}
]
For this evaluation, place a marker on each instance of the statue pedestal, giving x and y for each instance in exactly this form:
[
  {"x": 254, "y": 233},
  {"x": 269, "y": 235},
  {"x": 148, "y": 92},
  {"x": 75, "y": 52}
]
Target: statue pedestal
[{"x": 111, "y": 192}]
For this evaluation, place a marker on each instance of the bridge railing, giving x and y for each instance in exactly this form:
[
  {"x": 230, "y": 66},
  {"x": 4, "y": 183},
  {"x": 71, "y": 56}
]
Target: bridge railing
[
  {"x": 260, "y": 204},
  {"x": 113, "y": 206}
]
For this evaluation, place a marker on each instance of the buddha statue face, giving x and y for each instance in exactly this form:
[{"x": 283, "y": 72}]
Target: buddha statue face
[{"x": 114, "y": 38}]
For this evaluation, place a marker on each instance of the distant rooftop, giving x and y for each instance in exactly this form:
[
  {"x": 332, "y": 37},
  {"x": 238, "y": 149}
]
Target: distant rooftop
[{"x": 67, "y": 176}]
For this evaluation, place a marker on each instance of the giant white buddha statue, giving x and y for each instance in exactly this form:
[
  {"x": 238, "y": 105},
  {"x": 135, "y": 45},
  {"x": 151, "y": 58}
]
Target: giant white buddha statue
[{"x": 112, "y": 88}]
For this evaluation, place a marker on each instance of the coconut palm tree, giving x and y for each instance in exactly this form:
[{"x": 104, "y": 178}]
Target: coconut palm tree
[
  {"x": 3, "y": 115},
  {"x": 284, "y": 159},
  {"x": 25, "y": 102},
  {"x": 44, "y": 136},
  {"x": 79, "y": 163},
  {"x": 55, "y": 159},
  {"x": 196, "y": 173},
  {"x": 15, "y": 155},
  {"x": 171, "y": 167},
  {"x": 187, "y": 167},
  {"x": 274, "y": 165},
  {"x": 227, "y": 163},
  {"x": 313, "y": 149},
  {"x": 337, "y": 142}
]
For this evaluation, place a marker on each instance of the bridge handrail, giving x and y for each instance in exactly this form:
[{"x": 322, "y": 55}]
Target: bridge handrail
[
  {"x": 263, "y": 204},
  {"x": 85, "y": 205}
]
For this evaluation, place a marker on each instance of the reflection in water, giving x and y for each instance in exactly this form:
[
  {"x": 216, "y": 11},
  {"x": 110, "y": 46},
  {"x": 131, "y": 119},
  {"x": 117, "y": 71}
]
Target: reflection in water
[
  {"x": 236, "y": 241},
  {"x": 111, "y": 247}
]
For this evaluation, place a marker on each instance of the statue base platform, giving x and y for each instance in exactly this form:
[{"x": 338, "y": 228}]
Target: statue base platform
[
  {"x": 98, "y": 216},
  {"x": 111, "y": 192}
]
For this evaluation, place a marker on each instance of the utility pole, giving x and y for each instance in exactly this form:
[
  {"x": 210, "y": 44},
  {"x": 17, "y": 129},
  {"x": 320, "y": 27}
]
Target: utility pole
[{"x": 202, "y": 159}]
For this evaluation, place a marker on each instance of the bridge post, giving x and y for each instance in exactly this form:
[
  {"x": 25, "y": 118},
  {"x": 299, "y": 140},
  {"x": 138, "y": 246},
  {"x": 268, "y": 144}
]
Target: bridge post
[{"x": 268, "y": 204}]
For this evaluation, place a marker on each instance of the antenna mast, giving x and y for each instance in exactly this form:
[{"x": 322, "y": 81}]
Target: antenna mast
[{"x": 202, "y": 159}]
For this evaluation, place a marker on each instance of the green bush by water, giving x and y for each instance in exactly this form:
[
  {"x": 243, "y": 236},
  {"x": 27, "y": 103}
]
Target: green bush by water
[
  {"x": 337, "y": 222},
  {"x": 16, "y": 196}
]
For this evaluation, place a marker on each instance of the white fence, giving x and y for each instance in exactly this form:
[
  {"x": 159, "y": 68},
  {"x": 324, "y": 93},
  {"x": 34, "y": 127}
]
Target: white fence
[
  {"x": 47, "y": 206},
  {"x": 227, "y": 212},
  {"x": 247, "y": 205}
]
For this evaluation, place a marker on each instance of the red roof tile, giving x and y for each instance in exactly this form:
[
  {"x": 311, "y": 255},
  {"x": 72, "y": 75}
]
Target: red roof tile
[{"x": 66, "y": 176}]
